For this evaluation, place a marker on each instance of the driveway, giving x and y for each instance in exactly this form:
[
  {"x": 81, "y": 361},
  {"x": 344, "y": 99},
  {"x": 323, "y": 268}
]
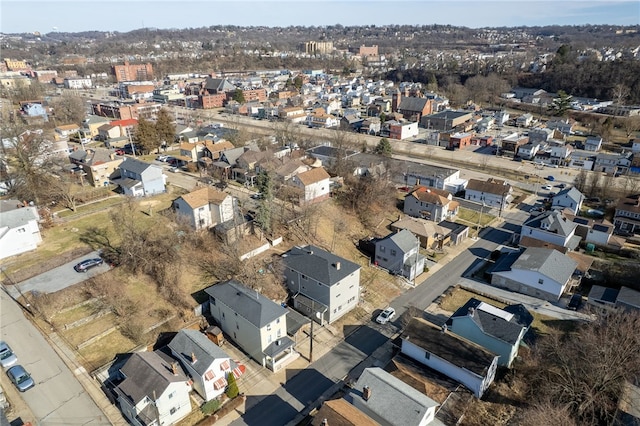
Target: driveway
[{"x": 58, "y": 278}]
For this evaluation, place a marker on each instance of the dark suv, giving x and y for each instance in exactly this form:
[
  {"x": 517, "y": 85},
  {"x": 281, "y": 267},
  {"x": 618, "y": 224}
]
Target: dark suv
[
  {"x": 87, "y": 264},
  {"x": 575, "y": 302}
]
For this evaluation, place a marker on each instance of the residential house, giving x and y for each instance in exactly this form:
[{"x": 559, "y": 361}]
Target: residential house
[
  {"x": 155, "y": 390},
  {"x": 552, "y": 227},
  {"x": 624, "y": 298},
  {"x": 499, "y": 331},
  {"x": 314, "y": 185},
  {"x": 524, "y": 120},
  {"x": 324, "y": 286},
  {"x": 205, "y": 207},
  {"x": 340, "y": 413},
  {"x": 67, "y": 130},
  {"x": 371, "y": 126},
  {"x": 191, "y": 152},
  {"x": 627, "y": 215},
  {"x": 319, "y": 118},
  {"x": 529, "y": 150},
  {"x": 98, "y": 165},
  {"x": 568, "y": 198},
  {"x": 581, "y": 159},
  {"x": 399, "y": 254},
  {"x": 431, "y": 235},
  {"x": 91, "y": 124},
  {"x": 19, "y": 229},
  {"x": 492, "y": 192},
  {"x": 257, "y": 324},
  {"x": 430, "y": 203},
  {"x": 390, "y": 401},
  {"x": 289, "y": 169},
  {"x": 138, "y": 178},
  {"x": 540, "y": 135},
  {"x": 560, "y": 153},
  {"x": 511, "y": 144},
  {"x": 206, "y": 363},
  {"x": 593, "y": 143},
  {"x": 329, "y": 155},
  {"x": 535, "y": 271},
  {"x": 457, "y": 358},
  {"x": 612, "y": 163},
  {"x": 591, "y": 231},
  {"x": 563, "y": 126}
]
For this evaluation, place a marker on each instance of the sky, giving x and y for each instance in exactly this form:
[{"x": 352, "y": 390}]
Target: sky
[{"x": 46, "y": 16}]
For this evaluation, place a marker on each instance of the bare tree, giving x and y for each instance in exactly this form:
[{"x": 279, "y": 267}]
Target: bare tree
[
  {"x": 68, "y": 108},
  {"x": 594, "y": 184},
  {"x": 631, "y": 125},
  {"x": 584, "y": 372},
  {"x": 580, "y": 181}
]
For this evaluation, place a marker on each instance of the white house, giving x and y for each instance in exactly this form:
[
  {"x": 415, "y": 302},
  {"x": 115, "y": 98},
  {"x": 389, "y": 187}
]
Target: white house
[
  {"x": 314, "y": 185},
  {"x": 19, "y": 229},
  {"x": 430, "y": 203},
  {"x": 551, "y": 227},
  {"x": 568, "y": 198},
  {"x": 390, "y": 401},
  {"x": 205, "y": 207},
  {"x": 593, "y": 143},
  {"x": 155, "y": 390},
  {"x": 492, "y": 192},
  {"x": 455, "y": 357},
  {"x": 538, "y": 272},
  {"x": 321, "y": 282},
  {"x": 138, "y": 178},
  {"x": 205, "y": 362},
  {"x": 399, "y": 253},
  {"x": 257, "y": 324}
]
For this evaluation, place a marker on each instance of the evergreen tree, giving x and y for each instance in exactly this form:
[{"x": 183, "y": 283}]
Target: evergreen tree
[
  {"x": 238, "y": 96},
  {"x": 561, "y": 104},
  {"x": 264, "y": 215},
  {"x": 232, "y": 386},
  {"x": 145, "y": 136},
  {"x": 165, "y": 129},
  {"x": 384, "y": 147}
]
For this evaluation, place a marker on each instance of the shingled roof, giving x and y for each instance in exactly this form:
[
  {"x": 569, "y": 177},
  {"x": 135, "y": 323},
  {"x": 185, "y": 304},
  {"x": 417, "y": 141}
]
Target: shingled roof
[
  {"x": 204, "y": 196},
  {"x": 319, "y": 264},
  {"x": 313, "y": 176},
  {"x": 192, "y": 342},
  {"x": 429, "y": 195},
  {"x": 550, "y": 263},
  {"x": 504, "y": 324},
  {"x": 248, "y": 303},
  {"x": 489, "y": 186}
]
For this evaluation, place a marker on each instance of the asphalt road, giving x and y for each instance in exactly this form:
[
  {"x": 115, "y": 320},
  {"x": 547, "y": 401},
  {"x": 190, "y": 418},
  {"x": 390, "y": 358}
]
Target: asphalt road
[
  {"x": 57, "y": 398},
  {"x": 58, "y": 278},
  {"x": 308, "y": 385}
]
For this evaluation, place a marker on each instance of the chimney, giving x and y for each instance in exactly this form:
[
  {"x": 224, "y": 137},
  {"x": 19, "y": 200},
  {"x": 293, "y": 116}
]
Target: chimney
[
  {"x": 174, "y": 368},
  {"x": 366, "y": 393},
  {"x": 471, "y": 311},
  {"x": 193, "y": 358},
  {"x": 338, "y": 266}
]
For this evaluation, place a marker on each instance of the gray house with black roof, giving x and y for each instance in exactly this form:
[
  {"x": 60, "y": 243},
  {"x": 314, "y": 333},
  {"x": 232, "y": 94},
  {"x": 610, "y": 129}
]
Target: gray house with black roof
[
  {"x": 399, "y": 253},
  {"x": 324, "y": 286},
  {"x": 257, "y": 324},
  {"x": 497, "y": 330},
  {"x": 137, "y": 178}
]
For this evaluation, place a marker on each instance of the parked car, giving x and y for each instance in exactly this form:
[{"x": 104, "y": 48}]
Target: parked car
[
  {"x": 386, "y": 315},
  {"x": 19, "y": 376},
  {"x": 546, "y": 187},
  {"x": 575, "y": 302},
  {"x": 174, "y": 170},
  {"x": 550, "y": 178},
  {"x": 7, "y": 357},
  {"x": 562, "y": 186},
  {"x": 163, "y": 158},
  {"x": 87, "y": 264}
]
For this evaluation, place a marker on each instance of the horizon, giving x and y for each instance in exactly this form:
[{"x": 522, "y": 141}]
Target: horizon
[{"x": 63, "y": 16}]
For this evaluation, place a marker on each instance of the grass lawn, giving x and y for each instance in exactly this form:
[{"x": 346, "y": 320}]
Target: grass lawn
[
  {"x": 542, "y": 324},
  {"x": 472, "y": 217},
  {"x": 90, "y": 208}
]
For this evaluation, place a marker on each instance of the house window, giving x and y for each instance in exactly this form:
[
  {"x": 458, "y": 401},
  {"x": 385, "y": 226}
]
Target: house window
[
  {"x": 304, "y": 277},
  {"x": 277, "y": 320},
  {"x": 21, "y": 230},
  {"x": 279, "y": 333},
  {"x": 173, "y": 410},
  {"x": 382, "y": 249},
  {"x": 393, "y": 252},
  {"x": 213, "y": 301},
  {"x": 337, "y": 295},
  {"x": 427, "y": 355},
  {"x": 171, "y": 395},
  {"x": 269, "y": 338},
  {"x": 237, "y": 326},
  {"x": 268, "y": 327},
  {"x": 223, "y": 315},
  {"x": 540, "y": 281}
]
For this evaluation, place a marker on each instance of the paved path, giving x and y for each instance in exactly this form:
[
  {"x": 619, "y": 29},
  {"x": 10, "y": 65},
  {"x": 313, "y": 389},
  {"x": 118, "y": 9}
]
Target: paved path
[{"x": 58, "y": 278}]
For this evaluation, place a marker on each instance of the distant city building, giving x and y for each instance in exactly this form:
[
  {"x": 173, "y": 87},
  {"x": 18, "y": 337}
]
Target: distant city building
[
  {"x": 135, "y": 72},
  {"x": 368, "y": 50},
  {"x": 318, "y": 47}
]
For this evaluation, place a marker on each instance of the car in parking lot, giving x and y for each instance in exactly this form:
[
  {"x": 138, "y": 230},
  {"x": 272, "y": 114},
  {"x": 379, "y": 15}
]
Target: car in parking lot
[
  {"x": 162, "y": 158},
  {"x": 546, "y": 187},
  {"x": 575, "y": 302},
  {"x": 7, "y": 357},
  {"x": 87, "y": 264},
  {"x": 562, "y": 186},
  {"x": 550, "y": 178},
  {"x": 20, "y": 378},
  {"x": 385, "y": 316}
]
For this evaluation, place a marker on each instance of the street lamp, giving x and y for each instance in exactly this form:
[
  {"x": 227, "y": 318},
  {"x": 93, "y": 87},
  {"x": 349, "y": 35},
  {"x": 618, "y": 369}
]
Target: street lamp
[{"x": 317, "y": 315}]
